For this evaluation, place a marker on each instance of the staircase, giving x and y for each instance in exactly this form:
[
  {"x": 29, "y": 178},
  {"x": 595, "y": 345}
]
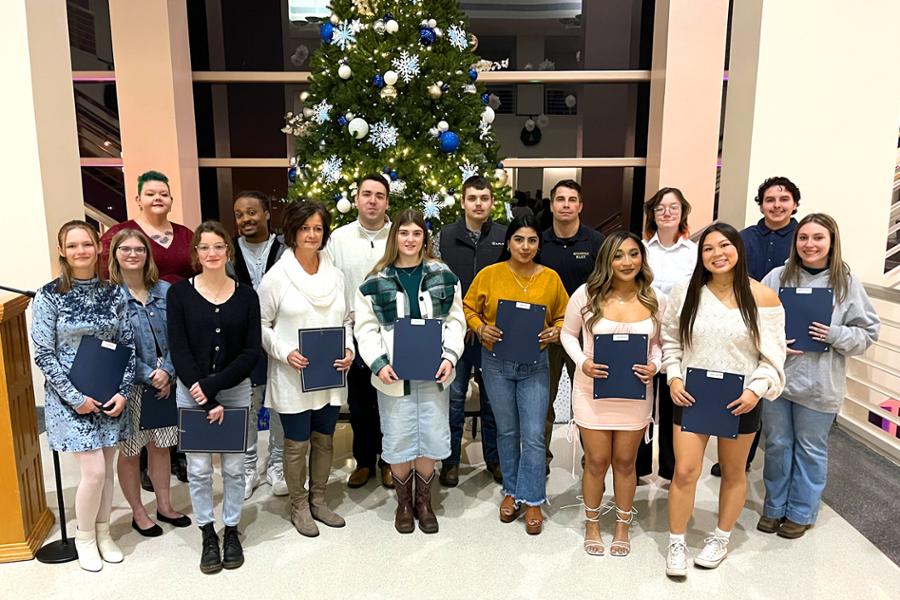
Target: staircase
[{"x": 98, "y": 136}]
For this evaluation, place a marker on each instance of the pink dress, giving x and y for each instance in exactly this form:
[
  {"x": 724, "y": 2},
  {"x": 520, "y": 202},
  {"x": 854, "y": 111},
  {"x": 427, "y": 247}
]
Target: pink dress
[{"x": 608, "y": 413}]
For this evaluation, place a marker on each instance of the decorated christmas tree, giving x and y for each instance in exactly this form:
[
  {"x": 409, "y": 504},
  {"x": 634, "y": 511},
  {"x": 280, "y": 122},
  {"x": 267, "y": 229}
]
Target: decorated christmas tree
[{"x": 394, "y": 90}]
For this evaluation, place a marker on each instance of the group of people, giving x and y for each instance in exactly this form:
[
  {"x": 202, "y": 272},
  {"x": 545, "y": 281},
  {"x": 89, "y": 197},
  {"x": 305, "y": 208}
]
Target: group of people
[{"x": 213, "y": 321}]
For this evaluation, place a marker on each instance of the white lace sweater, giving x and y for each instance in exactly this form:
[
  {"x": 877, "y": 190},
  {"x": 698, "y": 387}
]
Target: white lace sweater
[{"x": 721, "y": 342}]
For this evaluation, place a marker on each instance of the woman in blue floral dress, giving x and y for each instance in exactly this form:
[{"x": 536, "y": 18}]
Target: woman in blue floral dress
[{"x": 71, "y": 306}]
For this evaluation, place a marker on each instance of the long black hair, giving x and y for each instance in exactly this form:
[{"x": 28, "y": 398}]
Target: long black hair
[
  {"x": 515, "y": 225},
  {"x": 740, "y": 286}
]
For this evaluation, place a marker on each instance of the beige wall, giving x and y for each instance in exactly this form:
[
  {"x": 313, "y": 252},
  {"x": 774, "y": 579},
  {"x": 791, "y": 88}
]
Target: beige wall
[{"x": 814, "y": 94}]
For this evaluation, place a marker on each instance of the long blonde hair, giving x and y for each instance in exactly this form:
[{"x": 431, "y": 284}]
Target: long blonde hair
[
  {"x": 839, "y": 274},
  {"x": 599, "y": 284},
  {"x": 65, "y": 269},
  {"x": 150, "y": 274},
  {"x": 392, "y": 249}
]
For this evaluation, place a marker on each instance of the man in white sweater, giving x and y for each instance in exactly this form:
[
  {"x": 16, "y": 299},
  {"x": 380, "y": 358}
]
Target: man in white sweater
[{"x": 355, "y": 248}]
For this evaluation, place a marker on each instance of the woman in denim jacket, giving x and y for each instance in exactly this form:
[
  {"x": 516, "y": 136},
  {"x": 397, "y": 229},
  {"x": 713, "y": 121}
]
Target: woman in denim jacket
[{"x": 415, "y": 415}]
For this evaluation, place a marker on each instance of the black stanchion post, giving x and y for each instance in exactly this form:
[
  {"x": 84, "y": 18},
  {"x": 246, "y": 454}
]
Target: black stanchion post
[{"x": 62, "y": 550}]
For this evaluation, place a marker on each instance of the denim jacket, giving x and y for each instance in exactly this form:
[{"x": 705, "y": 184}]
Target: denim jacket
[{"x": 148, "y": 321}]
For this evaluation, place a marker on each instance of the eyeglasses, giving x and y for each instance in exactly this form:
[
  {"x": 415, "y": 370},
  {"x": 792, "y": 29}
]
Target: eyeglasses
[
  {"x": 127, "y": 250},
  {"x": 672, "y": 210},
  {"x": 217, "y": 248}
]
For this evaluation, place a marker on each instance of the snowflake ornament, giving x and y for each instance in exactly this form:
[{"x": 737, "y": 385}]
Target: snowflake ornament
[
  {"x": 398, "y": 186},
  {"x": 331, "y": 169},
  {"x": 457, "y": 38},
  {"x": 344, "y": 35},
  {"x": 383, "y": 135},
  {"x": 407, "y": 66},
  {"x": 321, "y": 110},
  {"x": 485, "y": 129},
  {"x": 468, "y": 170},
  {"x": 431, "y": 206}
]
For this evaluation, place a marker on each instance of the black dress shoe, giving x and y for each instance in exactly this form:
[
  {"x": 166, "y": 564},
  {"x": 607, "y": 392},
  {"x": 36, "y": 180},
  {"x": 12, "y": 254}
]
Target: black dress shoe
[
  {"x": 154, "y": 531},
  {"x": 146, "y": 484},
  {"x": 496, "y": 473},
  {"x": 449, "y": 475},
  {"x": 182, "y": 521}
]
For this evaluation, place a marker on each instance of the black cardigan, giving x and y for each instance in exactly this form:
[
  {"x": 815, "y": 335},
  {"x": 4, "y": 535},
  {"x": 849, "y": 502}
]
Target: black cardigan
[{"x": 216, "y": 346}]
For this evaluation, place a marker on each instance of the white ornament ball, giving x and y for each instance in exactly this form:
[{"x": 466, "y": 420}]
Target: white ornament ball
[
  {"x": 304, "y": 96},
  {"x": 443, "y": 126},
  {"x": 571, "y": 101},
  {"x": 543, "y": 121},
  {"x": 500, "y": 176},
  {"x": 358, "y": 128},
  {"x": 530, "y": 124},
  {"x": 449, "y": 201},
  {"x": 432, "y": 23},
  {"x": 488, "y": 115},
  {"x": 343, "y": 206},
  {"x": 334, "y": 19},
  {"x": 344, "y": 72},
  {"x": 390, "y": 77},
  {"x": 434, "y": 132},
  {"x": 349, "y": 116},
  {"x": 378, "y": 27},
  {"x": 438, "y": 32},
  {"x": 392, "y": 26},
  {"x": 308, "y": 112},
  {"x": 434, "y": 91}
]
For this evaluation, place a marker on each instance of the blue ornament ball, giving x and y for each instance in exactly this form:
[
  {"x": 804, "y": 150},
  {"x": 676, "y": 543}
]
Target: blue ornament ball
[
  {"x": 326, "y": 32},
  {"x": 394, "y": 176},
  {"x": 485, "y": 98},
  {"x": 427, "y": 36},
  {"x": 449, "y": 142},
  {"x": 388, "y": 17},
  {"x": 292, "y": 174},
  {"x": 386, "y": 170},
  {"x": 342, "y": 121},
  {"x": 378, "y": 81},
  {"x": 445, "y": 87},
  {"x": 473, "y": 74}
]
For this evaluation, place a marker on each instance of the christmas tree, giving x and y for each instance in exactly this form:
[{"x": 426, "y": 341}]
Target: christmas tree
[{"x": 394, "y": 90}]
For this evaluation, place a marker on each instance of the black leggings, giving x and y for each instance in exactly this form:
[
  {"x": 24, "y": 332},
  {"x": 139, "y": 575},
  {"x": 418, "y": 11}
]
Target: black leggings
[{"x": 299, "y": 426}]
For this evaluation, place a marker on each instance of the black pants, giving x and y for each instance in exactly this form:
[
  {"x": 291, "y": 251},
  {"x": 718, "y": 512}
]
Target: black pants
[
  {"x": 755, "y": 443},
  {"x": 663, "y": 433},
  {"x": 364, "y": 419},
  {"x": 299, "y": 426}
]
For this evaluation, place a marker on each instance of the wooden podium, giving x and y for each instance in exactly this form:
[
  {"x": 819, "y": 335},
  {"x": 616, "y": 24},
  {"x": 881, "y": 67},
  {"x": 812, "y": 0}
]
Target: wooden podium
[{"x": 25, "y": 519}]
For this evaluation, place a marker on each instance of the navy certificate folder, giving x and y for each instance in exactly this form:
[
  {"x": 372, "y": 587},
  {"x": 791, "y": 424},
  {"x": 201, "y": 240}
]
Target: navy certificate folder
[
  {"x": 620, "y": 352},
  {"x": 98, "y": 368},
  {"x": 521, "y": 323},
  {"x": 322, "y": 347},
  {"x": 197, "y": 434},
  {"x": 802, "y": 306},
  {"x": 157, "y": 412},
  {"x": 417, "y": 348},
  {"x": 712, "y": 391}
]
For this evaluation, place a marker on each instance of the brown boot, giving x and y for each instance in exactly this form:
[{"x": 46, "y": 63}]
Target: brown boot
[
  {"x": 403, "y": 518},
  {"x": 424, "y": 513},
  {"x": 295, "y": 454},
  {"x": 320, "y": 455}
]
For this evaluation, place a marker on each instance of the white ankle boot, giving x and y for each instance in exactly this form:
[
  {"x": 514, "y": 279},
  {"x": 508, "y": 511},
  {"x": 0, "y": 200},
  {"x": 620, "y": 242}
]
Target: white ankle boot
[
  {"x": 88, "y": 554},
  {"x": 109, "y": 551}
]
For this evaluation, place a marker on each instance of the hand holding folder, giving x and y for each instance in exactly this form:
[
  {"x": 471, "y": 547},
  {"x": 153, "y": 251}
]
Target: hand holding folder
[
  {"x": 802, "y": 308},
  {"x": 712, "y": 392},
  {"x": 418, "y": 347},
  {"x": 157, "y": 412},
  {"x": 98, "y": 369},
  {"x": 322, "y": 347},
  {"x": 620, "y": 352},
  {"x": 197, "y": 434},
  {"x": 521, "y": 324}
]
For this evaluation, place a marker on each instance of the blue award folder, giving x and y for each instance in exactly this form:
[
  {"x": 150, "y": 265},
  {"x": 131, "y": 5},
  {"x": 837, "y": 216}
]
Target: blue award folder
[
  {"x": 712, "y": 391},
  {"x": 197, "y": 434},
  {"x": 802, "y": 306},
  {"x": 98, "y": 368},
  {"x": 417, "y": 348},
  {"x": 520, "y": 323},
  {"x": 157, "y": 412},
  {"x": 322, "y": 347},
  {"x": 620, "y": 352}
]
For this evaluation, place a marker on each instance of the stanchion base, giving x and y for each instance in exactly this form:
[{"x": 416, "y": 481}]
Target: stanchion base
[{"x": 57, "y": 552}]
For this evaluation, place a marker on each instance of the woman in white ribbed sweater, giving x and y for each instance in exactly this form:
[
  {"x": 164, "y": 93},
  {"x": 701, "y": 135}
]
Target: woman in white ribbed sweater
[
  {"x": 304, "y": 290},
  {"x": 721, "y": 320}
]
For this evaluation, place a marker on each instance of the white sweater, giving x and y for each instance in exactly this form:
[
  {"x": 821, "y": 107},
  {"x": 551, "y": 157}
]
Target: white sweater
[
  {"x": 721, "y": 342},
  {"x": 355, "y": 251},
  {"x": 291, "y": 299}
]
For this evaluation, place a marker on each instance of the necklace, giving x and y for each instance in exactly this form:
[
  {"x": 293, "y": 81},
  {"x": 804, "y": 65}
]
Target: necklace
[
  {"x": 624, "y": 300},
  {"x": 215, "y": 295},
  {"x": 525, "y": 285},
  {"x": 409, "y": 272}
]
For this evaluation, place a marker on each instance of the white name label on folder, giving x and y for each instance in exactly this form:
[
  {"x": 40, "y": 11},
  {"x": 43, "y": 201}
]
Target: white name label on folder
[
  {"x": 620, "y": 337},
  {"x": 715, "y": 375},
  {"x": 523, "y": 305},
  {"x": 108, "y": 345},
  {"x": 417, "y": 321},
  {"x": 804, "y": 290}
]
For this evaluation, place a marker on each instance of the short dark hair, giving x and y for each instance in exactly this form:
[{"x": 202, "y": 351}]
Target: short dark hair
[
  {"x": 262, "y": 198},
  {"x": 567, "y": 183},
  {"x": 477, "y": 182},
  {"x": 784, "y": 182},
  {"x": 377, "y": 178},
  {"x": 299, "y": 212},
  {"x": 516, "y": 224},
  {"x": 650, "y": 227},
  {"x": 151, "y": 176}
]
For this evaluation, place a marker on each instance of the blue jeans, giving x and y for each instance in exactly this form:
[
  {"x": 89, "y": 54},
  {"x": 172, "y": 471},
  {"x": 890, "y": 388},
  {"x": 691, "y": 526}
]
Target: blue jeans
[
  {"x": 519, "y": 398},
  {"x": 796, "y": 465},
  {"x": 276, "y": 433},
  {"x": 471, "y": 358},
  {"x": 299, "y": 426}
]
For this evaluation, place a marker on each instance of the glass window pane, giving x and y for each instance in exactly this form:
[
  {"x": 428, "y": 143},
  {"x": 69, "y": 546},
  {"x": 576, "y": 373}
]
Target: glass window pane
[
  {"x": 90, "y": 41},
  {"x": 97, "y": 117},
  {"x": 104, "y": 190}
]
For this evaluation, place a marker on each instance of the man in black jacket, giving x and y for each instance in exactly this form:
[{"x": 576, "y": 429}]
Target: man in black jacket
[{"x": 467, "y": 246}]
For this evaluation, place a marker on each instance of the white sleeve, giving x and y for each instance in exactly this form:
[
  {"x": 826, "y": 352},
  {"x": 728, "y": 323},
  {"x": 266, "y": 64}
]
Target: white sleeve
[
  {"x": 672, "y": 351},
  {"x": 572, "y": 325},
  {"x": 767, "y": 379},
  {"x": 269, "y": 302}
]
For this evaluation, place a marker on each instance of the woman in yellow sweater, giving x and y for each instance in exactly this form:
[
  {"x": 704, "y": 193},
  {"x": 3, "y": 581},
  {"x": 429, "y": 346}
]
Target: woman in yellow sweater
[{"x": 520, "y": 388}]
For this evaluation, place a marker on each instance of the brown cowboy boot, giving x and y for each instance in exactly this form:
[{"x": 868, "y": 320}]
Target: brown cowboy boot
[
  {"x": 424, "y": 513},
  {"x": 295, "y": 454},
  {"x": 403, "y": 518},
  {"x": 320, "y": 454}
]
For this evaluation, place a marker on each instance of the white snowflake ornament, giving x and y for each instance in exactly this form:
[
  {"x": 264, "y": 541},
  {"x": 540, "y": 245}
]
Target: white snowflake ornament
[
  {"x": 398, "y": 186},
  {"x": 383, "y": 135},
  {"x": 344, "y": 36},
  {"x": 407, "y": 66},
  {"x": 331, "y": 169},
  {"x": 321, "y": 110},
  {"x": 468, "y": 170},
  {"x": 458, "y": 38},
  {"x": 431, "y": 206}
]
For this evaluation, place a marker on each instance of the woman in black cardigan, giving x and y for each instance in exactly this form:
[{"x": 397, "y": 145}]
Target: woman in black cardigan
[{"x": 214, "y": 340}]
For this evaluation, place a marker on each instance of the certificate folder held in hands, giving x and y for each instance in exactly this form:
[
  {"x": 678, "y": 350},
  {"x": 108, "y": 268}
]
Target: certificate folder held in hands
[
  {"x": 802, "y": 306},
  {"x": 712, "y": 391},
  {"x": 417, "y": 348},
  {"x": 620, "y": 352},
  {"x": 521, "y": 323},
  {"x": 197, "y": 434},
  {"x": 322, "y": 347},
  {"x": 98, "y": 368},
  {"x": 157, "y": 412}
]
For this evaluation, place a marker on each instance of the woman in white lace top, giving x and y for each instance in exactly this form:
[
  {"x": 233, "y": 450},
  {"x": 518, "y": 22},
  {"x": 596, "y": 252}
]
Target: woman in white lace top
[{"x": 721, "y": 320}]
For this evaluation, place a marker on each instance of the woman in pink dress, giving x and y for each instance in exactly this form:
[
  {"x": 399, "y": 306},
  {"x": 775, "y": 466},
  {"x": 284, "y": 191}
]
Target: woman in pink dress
[{"x": 617, "y": 298}]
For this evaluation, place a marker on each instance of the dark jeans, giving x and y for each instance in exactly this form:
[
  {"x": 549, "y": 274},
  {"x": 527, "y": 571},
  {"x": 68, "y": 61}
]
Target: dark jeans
[
  {"x": 364, "y": 419},
  {"x": 470, "y": 359},
  {"x": 299, "y": 426},
  {"x": 663, "y": 433},
  {"x": 557, "y": 357}
]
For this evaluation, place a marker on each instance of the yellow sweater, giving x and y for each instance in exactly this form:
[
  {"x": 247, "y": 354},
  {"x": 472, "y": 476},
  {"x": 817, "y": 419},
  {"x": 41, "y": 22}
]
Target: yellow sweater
[{"x": 497, "y": 282}]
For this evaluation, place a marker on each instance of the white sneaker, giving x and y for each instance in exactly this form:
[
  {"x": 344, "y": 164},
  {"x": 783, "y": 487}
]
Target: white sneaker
[
  {"x": 275, "y": 478},
  {"x": 676, "y": 560},
  {"x": 251, "y": 480},
  {"x": 713, "y": 552}
]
